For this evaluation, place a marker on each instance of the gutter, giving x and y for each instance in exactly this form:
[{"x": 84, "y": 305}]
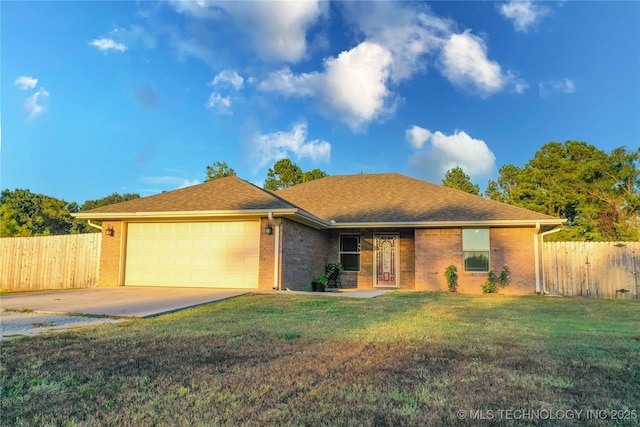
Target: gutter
[
  {"x": 99, "y": 227},
  {"x": 446, "y": 224}
]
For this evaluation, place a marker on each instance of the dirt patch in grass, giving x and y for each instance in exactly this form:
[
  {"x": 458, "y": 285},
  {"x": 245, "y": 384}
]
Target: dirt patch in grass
[{"x": 281, "y": 365}]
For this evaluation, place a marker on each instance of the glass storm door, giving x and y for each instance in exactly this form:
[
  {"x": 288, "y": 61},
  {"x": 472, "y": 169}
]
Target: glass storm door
[{"x": 385, "y": 260}]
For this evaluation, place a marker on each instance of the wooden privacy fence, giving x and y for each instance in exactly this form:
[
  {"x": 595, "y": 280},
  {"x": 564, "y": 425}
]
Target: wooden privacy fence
[
  {"x": 50, "y": 262},
  {"x": 592, "y": 269}
]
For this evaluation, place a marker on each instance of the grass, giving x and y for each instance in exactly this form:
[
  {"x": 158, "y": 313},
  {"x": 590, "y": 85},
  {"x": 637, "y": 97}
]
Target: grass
[{"x": 401, "y": 359}]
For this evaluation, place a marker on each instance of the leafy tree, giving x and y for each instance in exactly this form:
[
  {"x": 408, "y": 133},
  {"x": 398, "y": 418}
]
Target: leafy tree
[
  {"x": 286, "y": 174},
  {"x": 456, "y": 178},
  {"x": 313, "y": 174},
  {"x": 23, "y": 213},
  {"x": 219, "y": 170},
  {"x": 80, "y": 225},
  {"x": 598, "y": 193}
]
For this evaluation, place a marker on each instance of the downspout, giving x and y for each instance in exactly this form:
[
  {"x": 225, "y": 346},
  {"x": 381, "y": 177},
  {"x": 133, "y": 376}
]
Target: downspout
[
  {"x": 276, "y": 267},
  {"x": 536, "y": 256},
  {"x": 544, "y": 279},
  {"x": 276, "y": 253},
  {"x": 99, "y": 227}
]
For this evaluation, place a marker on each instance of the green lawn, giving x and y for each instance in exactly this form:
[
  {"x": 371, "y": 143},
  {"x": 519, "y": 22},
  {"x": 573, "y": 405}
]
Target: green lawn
[{"x": 401, "y": 359}]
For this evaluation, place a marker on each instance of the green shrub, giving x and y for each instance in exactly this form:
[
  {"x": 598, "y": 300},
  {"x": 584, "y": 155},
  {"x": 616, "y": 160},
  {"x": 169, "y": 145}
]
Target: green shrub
[
  {"x": 495, "y": 283},
  {"x": 451, "y": 274}
]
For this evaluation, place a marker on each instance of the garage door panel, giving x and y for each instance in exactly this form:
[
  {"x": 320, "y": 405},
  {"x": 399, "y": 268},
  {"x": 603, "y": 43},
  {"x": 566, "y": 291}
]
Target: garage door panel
[{"x": 203, "y": 254}]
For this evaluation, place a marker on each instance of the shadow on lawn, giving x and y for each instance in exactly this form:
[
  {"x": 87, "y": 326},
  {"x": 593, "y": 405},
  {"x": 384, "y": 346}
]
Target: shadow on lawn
[{"x": 401, "y": 359}]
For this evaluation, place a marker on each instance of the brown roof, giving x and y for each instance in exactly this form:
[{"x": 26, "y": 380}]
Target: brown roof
[
  {"x": 230, "y": 193},
  {"x": 397, "y": 198},
  {"x": 371, "y": 198}
]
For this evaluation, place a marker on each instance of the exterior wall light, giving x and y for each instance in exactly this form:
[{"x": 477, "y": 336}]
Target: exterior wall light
[
  {"x": 109, "y": 231},
  {"x": 268, "y": 229}
]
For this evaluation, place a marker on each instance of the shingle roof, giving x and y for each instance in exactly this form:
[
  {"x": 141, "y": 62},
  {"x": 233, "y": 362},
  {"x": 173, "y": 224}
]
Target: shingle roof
[
  {"x": 230, "y": 193},
  {"x": 396, "y": 198},
  {"x": 370, "y": 198}
]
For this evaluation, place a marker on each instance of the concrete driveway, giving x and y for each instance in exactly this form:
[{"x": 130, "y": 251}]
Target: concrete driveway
[{"x": 120, "y": 301}]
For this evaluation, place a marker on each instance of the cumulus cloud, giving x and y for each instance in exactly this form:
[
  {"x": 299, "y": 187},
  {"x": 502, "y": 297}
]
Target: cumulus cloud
[
  {"x": 357, "y": 86},
  {"x": 276, "y": 29},
  {"x": 524, "y": 14},
  {"x": 33, "y": 103},
  {"x": 268, "y": 148},
  {"x": 228, "y": 78},
  {"x": 106, "y": 45},
  {"x": 417, "y": 136},
  {"x": 352, "y": 87},
  {"x": 219, "y": 104},
  {"x": 26, "y": 82},
  {"x": 465, "y": 64},
  {"x": 410, "y": 33},
  {"x": 444, "y": 152},
  {"x": 562, "y": 86}
]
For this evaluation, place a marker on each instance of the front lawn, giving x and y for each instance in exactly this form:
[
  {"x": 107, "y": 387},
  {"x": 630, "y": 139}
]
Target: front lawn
[{"x": 402, "y": 359}]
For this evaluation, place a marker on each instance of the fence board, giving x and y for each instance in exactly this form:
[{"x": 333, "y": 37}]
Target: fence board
[
  {"x": 50, "y": 262},
  {"x": 592, "y": 269}
]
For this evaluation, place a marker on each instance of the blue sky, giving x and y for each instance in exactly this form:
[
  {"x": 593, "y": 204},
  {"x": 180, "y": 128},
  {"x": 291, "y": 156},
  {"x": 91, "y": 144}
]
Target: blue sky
[{"x": 103, "y": 97}]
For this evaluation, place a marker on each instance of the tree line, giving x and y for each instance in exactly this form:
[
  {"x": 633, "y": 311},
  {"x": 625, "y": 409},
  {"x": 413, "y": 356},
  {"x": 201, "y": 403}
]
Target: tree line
[
  {"x": 24, "y": 213},
  {"x": 597, "y": 192}
]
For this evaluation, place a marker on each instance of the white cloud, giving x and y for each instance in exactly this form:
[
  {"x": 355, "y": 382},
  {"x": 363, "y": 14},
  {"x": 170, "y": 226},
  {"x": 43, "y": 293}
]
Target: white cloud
[
  {"x": 268, "y": 148},
  {"x": 445, "y": 152},
  {"x": 218, "y": 103},
  {"x": 277, "y": 29},
  {"x": 465, "y": 64},
  {"x": 523, "y": 14},
  {"x": 105, "y": 45},
  {"x": 26, "y": 82},
  {"x": 169, "y": 181},
  {"x": 189, "y": 183},
  {"x": 562, "y": 86},
  {"x": 357, "y": 86},
  {"x": 410, "y": 33},
  {"x": 417, "y": 136},
  {"x": 228, "y": 77},
  {"x": 352, "y": 88},
  {"x": 286, "y": 83},
  {"x": 33, "y": 103}
]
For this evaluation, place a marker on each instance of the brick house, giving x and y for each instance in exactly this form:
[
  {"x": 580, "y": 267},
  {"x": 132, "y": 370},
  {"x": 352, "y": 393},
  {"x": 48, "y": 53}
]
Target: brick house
[{"x": 388, "y": 231}]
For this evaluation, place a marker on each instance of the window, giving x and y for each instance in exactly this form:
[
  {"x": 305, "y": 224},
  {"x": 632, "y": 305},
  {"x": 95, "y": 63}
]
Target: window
[
  {"x": 350, "y": 252},
  {"x": 475, "y": 249}
]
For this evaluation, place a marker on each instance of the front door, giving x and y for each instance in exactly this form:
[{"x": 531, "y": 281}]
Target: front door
[{"x": 385, "y": 260}]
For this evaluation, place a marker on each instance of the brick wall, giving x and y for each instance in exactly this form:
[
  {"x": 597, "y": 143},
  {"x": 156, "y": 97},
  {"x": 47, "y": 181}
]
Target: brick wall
[
  {"x": 304, "y": 254},
  {"x": 364, "y": 278},
  {"x": 438, "y": 248},
  {"x": 110, "y": 255},
  {"x": 267, "y": 246}
]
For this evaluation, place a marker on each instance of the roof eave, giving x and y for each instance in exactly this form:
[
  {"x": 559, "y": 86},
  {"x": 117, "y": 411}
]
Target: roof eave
[
  {"x": 292, "y": 213},
  {"x": 451, "y": 224},
  {"x": 183, "y": 214}
]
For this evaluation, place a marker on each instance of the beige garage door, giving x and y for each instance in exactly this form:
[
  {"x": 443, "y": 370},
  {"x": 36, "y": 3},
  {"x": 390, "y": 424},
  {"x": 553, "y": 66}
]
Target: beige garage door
[{"x": 193, "y": 254}]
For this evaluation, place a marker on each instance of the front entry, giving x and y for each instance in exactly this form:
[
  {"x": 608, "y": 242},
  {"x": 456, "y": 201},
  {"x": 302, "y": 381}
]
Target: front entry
[{"x": 385, "y": 260}]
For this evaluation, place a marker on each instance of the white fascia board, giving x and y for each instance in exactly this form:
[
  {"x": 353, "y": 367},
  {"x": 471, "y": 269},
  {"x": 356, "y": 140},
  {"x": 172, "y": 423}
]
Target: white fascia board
[
  {"x": 293, "y": 213},
  {"x": 182, "y": 214},
  {"x": 450, "y": 224}
]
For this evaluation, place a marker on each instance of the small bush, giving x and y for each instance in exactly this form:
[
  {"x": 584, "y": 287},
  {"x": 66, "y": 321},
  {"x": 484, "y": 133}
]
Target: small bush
[
  {"x": 451, "y": 274},
  {"x": 495, "y": 283}
]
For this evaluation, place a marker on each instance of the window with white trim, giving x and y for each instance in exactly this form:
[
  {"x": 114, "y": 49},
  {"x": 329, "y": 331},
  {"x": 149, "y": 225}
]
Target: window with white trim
[
  {"x": 350, "y": 252},
  {"x": 475, "y": 249}
]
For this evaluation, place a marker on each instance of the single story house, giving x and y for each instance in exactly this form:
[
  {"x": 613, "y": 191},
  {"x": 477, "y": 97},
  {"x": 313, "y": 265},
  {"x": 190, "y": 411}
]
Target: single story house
[{"x": 388, "y": 231}]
